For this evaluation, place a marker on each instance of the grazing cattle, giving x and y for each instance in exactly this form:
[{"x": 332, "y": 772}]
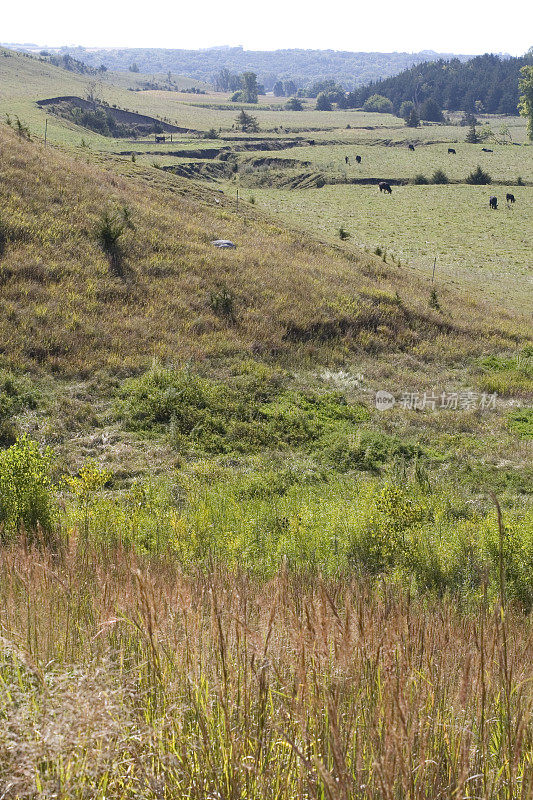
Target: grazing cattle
[
  {"x": 486, "y": 150},
  {"x": 384, "y": 187},
  {"x": 358, "y": 159},
  {"x": 510, "y": 198},
  {"x": 451, "y": 150},
  {"x": 159, "y": 139},
  {"x": 346, "y": 160},
  {"x": 412, "y": 147},
  {"x": 493, "y": 202}
]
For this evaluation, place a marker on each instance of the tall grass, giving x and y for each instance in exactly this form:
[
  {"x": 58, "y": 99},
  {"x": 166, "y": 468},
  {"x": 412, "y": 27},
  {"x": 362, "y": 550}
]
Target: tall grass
[{"x": 124, "y": 678}]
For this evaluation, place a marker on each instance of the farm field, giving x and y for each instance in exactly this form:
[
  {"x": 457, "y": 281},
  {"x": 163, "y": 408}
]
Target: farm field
[{"x": 487, "y": 254}]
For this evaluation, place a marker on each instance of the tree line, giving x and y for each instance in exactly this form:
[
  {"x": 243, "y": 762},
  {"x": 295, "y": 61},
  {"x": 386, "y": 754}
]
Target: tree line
[{"x": 485, "y": 84}]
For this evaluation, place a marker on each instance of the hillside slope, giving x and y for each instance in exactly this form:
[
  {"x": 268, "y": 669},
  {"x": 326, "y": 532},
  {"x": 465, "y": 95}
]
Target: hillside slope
[{"x": 66, "y": 306}]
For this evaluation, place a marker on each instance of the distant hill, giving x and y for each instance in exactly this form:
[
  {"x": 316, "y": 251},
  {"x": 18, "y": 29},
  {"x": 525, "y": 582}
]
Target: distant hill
[
  {"x": 302, "y": 66},
  {"x": 486, "y": 84}
]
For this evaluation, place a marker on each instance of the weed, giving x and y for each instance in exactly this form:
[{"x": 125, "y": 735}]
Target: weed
[
  {"x": 343, "y": 234},
  {"x": 222, "y": 303},
  {"x": 434, "y": 300},
  {"x": 109, "y": 231}
]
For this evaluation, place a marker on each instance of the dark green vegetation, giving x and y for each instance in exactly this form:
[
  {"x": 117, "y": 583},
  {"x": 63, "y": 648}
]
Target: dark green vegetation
[
  {"x": 485, "y": 84},
  {"x": 104, "y": 119}
]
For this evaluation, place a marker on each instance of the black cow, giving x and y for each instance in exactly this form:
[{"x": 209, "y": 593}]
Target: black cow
[
  {"x": 451, "y": 150},
  {"x": 412, "y": 147},
  {"x": 486, "y": 150},
  {"x": 493, "y": 202},
  {"x": 346, "y": 160},
  {"x": 510, "y": 198},
  {"x": 160, "y": 138},
  {"x": 384, "y": 187},
  {"x": 358, "y": 159}
]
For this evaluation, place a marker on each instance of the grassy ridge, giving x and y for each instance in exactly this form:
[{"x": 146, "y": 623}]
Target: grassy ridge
[{"x": 78, "y": 315}]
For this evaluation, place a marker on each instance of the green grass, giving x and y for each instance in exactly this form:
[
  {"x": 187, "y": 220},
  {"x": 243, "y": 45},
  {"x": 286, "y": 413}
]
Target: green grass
[
  {"x": 382, "y": 160},
  {"x": 487, "y": 252}
]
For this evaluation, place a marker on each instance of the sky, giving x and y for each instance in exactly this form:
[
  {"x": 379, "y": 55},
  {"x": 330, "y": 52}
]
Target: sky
[{"x": 454, "y": 26}]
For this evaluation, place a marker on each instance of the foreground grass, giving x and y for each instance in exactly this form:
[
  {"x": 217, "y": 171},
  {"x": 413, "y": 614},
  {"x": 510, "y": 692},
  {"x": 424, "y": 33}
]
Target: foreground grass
[{"x": 123, "y": 678}]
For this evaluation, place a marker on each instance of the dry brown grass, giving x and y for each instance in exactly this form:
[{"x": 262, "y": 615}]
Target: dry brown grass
[
  {"x": 63, "y": 309},
  {"x": 123, "y": 679}
]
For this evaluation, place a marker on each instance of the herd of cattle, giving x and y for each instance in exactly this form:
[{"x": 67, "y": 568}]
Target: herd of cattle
[{"x": 386, "y": 187}]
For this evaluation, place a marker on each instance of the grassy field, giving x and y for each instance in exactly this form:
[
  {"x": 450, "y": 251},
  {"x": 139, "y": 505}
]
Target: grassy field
[{"x": 487, "y": 253}]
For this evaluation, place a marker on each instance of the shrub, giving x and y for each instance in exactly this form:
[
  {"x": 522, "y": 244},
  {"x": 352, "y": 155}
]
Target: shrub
[
  {"x": 26, "y": 496},
  {"x": 365, "y": 449},
  {"x": 222, "y": 301},
  {"x": 479, "y": 177},
  {"x": 16, "y": 394},
  {"x": 109, "y": 230},
  {"x": 420, "y": 180},
  {"x": 471, "y": 136},
  {"x": 378, "y": 102},
  {"x": 343, "y": 234},
  {"x": 413, "y": 120},
  {"x": 521, "y": 422},
  {"x": 430, "y": 110},
  {"x": 434, "y": 300},
  {"x": 439, "y": 176},
  {"x": 323, "y": 102},
  {"x": 244, "y": 415},
  {"x": 294, "y": 104},
  {"x": 405, "y": 109}
]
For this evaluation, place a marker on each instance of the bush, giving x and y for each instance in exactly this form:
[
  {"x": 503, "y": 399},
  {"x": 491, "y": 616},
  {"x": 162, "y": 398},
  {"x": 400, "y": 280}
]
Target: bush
[
  {"x": 243, "y": 415},
  {"x": 365, "y": 449},
  {"x": 26, "y": 497},
  {"x": 420, "y": 180},
  {"x": 521, "y": 422},
  {"x": 294, "y": 104},
  {"x": 16, "y": 394},
  {"x": 343, "y": 234},
  {"x": 377, "y": 102},
  {"x": 439, "y": 176},
  {"x": 222, "y": 301},
  {"x": 471, "y": 136},
  {"x": 434, "y": 300},
  {"x": 323, "y": 102},
  {"x": 479, "y": 177},
  {"x": 405, "y": 109},
  {"x": 430, "y": 110},
  {"x": 413, "y": 120},
  {"x": 108, "y": 232}
]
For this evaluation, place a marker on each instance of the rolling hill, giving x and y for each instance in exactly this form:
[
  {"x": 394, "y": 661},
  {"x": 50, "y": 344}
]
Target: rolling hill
[{"x": 303, "y": 66}]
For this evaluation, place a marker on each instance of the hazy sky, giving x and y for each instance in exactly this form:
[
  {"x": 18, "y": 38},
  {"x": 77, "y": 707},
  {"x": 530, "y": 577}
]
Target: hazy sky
[{"x": 459, "y": 26}]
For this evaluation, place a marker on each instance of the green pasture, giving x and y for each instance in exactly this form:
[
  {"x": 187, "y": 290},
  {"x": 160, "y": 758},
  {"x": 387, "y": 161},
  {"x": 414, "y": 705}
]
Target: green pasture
[
  {"x": 396, "y": 161},
  {"x": 489, "y": 252}
]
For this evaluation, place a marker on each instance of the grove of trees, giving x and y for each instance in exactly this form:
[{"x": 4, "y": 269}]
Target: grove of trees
[{"x": 485, "y": 84}]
